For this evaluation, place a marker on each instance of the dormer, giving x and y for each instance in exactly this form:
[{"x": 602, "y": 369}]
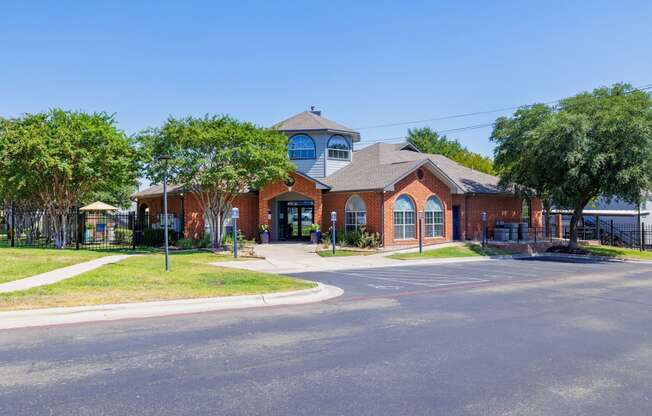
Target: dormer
[{"x": 316, "y": 145}]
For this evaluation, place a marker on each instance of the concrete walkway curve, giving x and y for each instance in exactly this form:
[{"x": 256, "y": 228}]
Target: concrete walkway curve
[
  {"x": 284, "y": 258},
  {"x": 58, "y": 275}
]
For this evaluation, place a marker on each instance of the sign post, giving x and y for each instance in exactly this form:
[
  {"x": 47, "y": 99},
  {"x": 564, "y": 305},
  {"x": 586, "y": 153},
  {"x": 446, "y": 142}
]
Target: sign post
[
  {"x": 235, "y": 214},
  {"x": 333, "y": 221},
  {"x": 164, "y": 159},
  {"x": 420, "y": 232}
]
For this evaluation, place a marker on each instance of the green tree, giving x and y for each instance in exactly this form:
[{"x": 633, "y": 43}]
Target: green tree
[
  {"x": 57, "y": 159},
  {"x": 516, "y": 157},
  {"x": 590, "y": 145},
  {"x": 429, "y": 141},
  {"x": 216, "y": 158}
]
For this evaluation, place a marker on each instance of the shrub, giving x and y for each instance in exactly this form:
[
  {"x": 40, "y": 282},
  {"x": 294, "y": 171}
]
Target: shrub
[
  {"x": 228, "y": 240},
  {"x": 124, "y": 236},
  {"x": 359, "y": 238},
  {"x": 185, "y": 243},
  {"x": 203, "y": 242},
  {"x": 154, "y": 237}
]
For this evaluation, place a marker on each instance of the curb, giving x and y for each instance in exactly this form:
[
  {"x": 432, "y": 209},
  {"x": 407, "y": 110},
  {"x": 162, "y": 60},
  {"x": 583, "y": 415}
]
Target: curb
[
  {"x": 593, "y": 257},
  {"x": 96, "y": 313}
]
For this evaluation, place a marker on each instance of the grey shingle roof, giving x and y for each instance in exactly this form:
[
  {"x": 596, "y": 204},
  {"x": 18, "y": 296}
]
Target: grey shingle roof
[
  {"x": 380, "y": 165},
  {"x": 155, "y": 190},
  {"x": 309, "y": 121}
]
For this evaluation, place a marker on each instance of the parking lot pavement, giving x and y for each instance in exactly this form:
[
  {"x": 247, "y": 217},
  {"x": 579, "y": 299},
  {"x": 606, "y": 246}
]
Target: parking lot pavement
[
  {"x": 455, "y": 339},
  {"x": 374, "y": 281}
]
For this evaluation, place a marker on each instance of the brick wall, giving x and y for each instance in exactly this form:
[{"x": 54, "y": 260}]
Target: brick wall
[
  {"x": 194, "y": 216},
  {"x": 337, "y": 202},
  {"x": 301, "y": 186},
  {"x": 419, "y": 191},
  {"x": 505, "y": 208}
]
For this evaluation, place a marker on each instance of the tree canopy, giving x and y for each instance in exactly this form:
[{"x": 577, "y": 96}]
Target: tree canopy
[
  {"x": 429, "y": 141},
  {"x": 216, "y": 158},
  {"x": 590, "y": 145},
  {"x": 58, "y": 159}
]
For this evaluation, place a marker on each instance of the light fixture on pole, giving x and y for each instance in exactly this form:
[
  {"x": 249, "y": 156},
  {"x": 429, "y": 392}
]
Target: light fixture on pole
[
  {"x": 483, "y": 216},
  {"x": 235, "y": 214},
  {"x": 420, "y": 232},
  {"x": 165, "y": 158},
  {"x": 333, "y": 221}
]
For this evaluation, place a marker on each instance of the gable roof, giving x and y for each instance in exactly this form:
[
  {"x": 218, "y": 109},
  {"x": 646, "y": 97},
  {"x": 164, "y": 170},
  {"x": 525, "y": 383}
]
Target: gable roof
[
  {"x": 309, "y": 121},
  {"x": 156, "y": 190},
  {"x": 381, "y": 165}
]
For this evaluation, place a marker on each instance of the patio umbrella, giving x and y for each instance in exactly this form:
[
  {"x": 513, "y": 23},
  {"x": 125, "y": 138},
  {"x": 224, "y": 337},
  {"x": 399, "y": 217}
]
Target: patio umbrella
[{"x": 98, "y": 206}]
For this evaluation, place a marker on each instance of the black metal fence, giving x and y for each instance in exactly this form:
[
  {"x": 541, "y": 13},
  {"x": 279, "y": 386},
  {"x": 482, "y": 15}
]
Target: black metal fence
[
  {"x": 80, "y": 230},
  {"x": 606, "y": 232}
]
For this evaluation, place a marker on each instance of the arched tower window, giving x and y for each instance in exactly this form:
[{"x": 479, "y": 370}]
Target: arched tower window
[
  {"x": 339, "y": 148},
  {"x": 301, "y": 146}
]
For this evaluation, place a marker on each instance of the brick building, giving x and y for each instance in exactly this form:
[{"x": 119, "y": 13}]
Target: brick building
[{"x": 383, "y": 187}]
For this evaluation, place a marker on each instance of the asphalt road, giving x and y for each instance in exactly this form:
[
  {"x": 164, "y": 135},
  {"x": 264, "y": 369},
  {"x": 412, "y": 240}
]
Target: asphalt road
[{"x": 507, "y": 337}]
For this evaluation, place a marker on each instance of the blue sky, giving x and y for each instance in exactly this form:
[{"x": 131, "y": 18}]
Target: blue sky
[{"x": 362, "y": 63}]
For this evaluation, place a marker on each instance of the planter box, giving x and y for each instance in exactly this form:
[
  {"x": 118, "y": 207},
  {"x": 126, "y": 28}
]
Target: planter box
[
  {"x": 264, "y": 237},
  {"x": 315, "y": 237}
]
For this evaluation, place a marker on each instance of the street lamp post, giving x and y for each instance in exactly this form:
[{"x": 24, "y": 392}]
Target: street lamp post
[
  {"x": 483, "y": 216},
  {"x": 164, "y": 159},
  {"x": 333, "y": 221},
  {"x": 235, "y": 214},
  {"x": 420, "y": 232}
]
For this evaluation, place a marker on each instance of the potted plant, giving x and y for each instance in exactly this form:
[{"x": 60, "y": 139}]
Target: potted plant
[
  {"x": 263, "y": 231},
  {"x": 315, "y": 234}
]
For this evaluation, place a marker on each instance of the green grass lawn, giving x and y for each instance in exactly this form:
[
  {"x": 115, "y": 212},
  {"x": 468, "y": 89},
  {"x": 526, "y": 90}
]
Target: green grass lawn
[
  {"x": 343, "y": 253},
  {"x": 17, "y": 263},
  {"x": 142, "y": 278},
  {"x": 619, "y": 252},
  {"x": 467, "y": 250}
]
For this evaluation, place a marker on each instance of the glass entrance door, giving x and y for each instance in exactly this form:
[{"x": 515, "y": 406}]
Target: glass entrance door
[
  {"x": 294, "y": 222},
  {"x": 295, "y": 219}
]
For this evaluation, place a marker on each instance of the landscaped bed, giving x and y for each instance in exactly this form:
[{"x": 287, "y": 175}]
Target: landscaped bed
[
  {"x": 142, "y": 278},
  {"x": 607, "y": 251},
  {"x": 466, "y": 250},
  {"x": 344, "y": 253},
  {"x": 18, "y": 263}
]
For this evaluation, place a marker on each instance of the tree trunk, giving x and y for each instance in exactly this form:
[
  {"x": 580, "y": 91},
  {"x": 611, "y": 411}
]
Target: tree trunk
[{"x": 577, "y": 215}]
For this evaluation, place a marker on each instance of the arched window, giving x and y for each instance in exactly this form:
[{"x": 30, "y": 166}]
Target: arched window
[
  {"x": 525, "y": 212},
  {"x": 434, "y": 218},
  {"x": 355, "y": 214},
  {"x": 301, "y": 146},
  {"x": 339, "y": 148},
  {"x": 404, "y": 216}
]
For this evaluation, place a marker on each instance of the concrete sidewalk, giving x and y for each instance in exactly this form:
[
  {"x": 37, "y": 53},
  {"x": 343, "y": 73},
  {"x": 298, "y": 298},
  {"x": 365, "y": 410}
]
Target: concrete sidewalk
[
  {"x": 301, "y": 257},
  {"x": 79, "y": 314},
  {"x": 60, "y": 274}
]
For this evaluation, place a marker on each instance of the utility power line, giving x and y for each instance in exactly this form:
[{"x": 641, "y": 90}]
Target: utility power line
[
  {"x": 464, "y": 128},
  {"x": 476, "y": 113}
]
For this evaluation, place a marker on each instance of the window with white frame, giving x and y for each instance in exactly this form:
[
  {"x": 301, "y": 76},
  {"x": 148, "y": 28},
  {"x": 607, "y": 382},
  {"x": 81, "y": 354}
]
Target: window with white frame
[
  {"x": 227, "y": 225},
  {"x": 339, "y": 148},
  {"x": 525, "y": 211},
  {"x": 300, "y": 147},
  {"x": 404, "y": 218},
  {"x": 434, "y": 218},
  {"x": 355, "y": 213}
]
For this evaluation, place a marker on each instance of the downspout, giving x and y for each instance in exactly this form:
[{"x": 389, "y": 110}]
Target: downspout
[
  {"x": 382, "y": 217},
  {"x": 466, "y": 217}
]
